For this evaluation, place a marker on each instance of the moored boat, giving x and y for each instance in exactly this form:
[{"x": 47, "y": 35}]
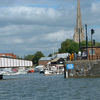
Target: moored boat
[
  {"x": 48, "y": 72},
  {"x": 31, "y": 71}
]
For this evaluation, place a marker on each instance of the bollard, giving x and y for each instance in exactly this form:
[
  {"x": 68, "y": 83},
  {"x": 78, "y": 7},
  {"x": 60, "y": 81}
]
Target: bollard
[
  {"x": 67, "y": 74},
  {"x": 64, "y": 71},
  {"x": 1, "y": 77}
]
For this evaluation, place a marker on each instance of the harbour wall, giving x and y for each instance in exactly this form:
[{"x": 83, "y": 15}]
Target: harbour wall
[{"x": 84, "y": 68}]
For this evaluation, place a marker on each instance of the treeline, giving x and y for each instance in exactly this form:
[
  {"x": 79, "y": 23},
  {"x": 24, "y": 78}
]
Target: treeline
[
  {"x": 70, "y": 46},
  {"x": 35, "y": 57},
  {"x": 67, "y": 46}
]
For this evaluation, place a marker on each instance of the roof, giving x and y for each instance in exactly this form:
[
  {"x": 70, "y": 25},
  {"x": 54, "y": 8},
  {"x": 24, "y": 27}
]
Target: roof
[
  {"x": 10, "y": 55},
  {"x": 61, "y": 55},
  {"x": 45, "y": 58},
  {"x": 56, "y": 59}
]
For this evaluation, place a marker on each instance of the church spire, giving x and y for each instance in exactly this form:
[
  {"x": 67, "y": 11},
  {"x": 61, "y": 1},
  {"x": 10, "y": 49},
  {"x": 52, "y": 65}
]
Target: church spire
[
  {"x": 79, "y": 20},
  {"x": 79, "y": 28}
]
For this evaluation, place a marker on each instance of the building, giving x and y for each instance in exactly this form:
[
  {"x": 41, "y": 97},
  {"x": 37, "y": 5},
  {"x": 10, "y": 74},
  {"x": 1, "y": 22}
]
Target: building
[
  {"x": 61, "y": 55},
  {"x": 79, "y": 30},
  {"x": 58, "y": 62},
  {"x": 57, "y": 65},
  {"x": 44, "y": 60},
  {"x": 93, "y": 52},
  {"x": 7, "y": 55}
]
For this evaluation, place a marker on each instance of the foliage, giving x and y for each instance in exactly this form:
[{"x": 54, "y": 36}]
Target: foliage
[
  {"x": 29, "y": 57},
  {"x": 69, "y": 46},
  {"x": 18, "y": 57},
  {"x": 37, "y": 56},
  {"x": 97, "y": 44},
  {"x": 50, "y": 55},
  {"x": 83, "y": 43}
]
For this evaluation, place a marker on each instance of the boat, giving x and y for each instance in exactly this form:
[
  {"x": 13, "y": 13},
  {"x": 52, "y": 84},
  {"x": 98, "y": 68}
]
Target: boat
[
  {"x": 39, "y": 68},
  {"x": 41, "y": 71},
  {"x": 48, "y": 72},
  {"x": 30, "y": 71},
  {"x": 20, "y": 70}
]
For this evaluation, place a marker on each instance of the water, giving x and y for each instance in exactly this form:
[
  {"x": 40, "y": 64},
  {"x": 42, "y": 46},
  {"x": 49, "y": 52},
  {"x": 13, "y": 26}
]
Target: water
[{"x": 39, "y": 87}]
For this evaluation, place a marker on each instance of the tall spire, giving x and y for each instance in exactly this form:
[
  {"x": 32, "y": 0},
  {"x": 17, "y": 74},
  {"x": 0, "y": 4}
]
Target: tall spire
[
  {"x": 79, "y": 31},
  {"x": 79, "y": 20}
]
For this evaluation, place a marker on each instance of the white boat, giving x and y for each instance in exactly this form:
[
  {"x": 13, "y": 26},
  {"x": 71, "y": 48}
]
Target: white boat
[
  {"x": 48, "y": 72},
  {"x": 21, "y": 70}
]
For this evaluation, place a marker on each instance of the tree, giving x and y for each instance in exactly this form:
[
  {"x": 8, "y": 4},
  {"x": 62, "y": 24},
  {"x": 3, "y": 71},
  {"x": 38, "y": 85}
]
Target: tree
[
  {"x": 29, "y": 57},
  {"x": 69, "y": 46},
  {"x": 50, "y": 55},
  {"x": 37, "y": 56},
  {"x": 83, "y": 44}
]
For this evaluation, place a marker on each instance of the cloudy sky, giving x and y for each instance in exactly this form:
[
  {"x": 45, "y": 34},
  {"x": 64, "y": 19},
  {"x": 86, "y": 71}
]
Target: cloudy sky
[{"x": 27, "y": 26}]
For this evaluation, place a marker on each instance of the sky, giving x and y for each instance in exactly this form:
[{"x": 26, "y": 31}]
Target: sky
[{"x": 28, "y": 26}]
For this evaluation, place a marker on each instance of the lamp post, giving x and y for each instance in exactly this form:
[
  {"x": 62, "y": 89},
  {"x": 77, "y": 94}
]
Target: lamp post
[
  {"x": 86, "y": 41},
  {"x": 93, "y": 42},
  {"x": 92, "y": 32},
  {"x": 79, "y": 38}
]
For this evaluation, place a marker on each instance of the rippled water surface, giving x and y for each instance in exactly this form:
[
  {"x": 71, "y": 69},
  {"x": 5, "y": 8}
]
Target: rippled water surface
[{"x": 39, "y": 87}]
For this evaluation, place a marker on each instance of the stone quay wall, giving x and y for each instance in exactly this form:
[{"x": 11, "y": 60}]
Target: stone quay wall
[{"x": 87, "y": 68}]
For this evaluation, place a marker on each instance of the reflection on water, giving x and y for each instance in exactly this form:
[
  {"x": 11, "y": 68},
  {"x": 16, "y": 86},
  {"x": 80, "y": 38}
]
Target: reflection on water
[{"x": 39, "y": 87}]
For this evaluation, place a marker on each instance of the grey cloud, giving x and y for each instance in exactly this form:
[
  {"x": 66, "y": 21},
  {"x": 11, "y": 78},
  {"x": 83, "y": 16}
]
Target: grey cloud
[
  {"x": 25, "y": 29},
  {"x": 30, "y": 15}
]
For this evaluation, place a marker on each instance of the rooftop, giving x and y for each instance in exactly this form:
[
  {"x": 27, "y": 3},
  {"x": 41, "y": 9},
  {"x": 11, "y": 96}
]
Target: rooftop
[{"x": 46, "y": 58}]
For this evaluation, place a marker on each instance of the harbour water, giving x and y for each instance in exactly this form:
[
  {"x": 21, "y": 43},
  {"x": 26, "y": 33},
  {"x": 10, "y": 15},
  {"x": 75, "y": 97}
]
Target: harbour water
[{"x": 39, "y": 87}]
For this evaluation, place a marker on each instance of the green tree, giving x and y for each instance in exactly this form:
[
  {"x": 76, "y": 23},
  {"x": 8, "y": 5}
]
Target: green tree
[
  {"x": 29, "y": 57},
  {"x": 50, "y": 55},
  {"x": 37, "y": 56},
  {"x": 69, "y": 46},
  {"x": 97, "y": 44},
  {"x": 83, "y": 44}
]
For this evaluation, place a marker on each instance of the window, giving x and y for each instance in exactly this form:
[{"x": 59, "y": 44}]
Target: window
[{"x": 92, "y": 52}]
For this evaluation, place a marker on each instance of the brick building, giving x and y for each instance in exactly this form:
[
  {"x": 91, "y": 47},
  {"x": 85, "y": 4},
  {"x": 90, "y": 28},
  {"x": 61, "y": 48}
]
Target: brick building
[
  {"x": 93, "y": 53},
  {"x": 8, "y": 55},
  {"x": 44, "y": 60}
]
